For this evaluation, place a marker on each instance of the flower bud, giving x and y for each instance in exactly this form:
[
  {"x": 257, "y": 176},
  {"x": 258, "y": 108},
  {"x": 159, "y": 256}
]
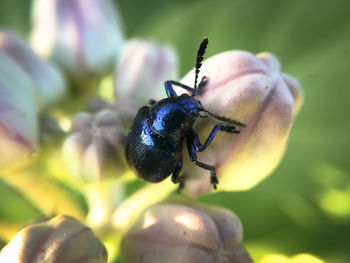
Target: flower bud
[
  {"x": 47, "y": 79},
  {"x": 169, "y": 232},
  {"x": 26, "y": 85},
  {"x": 62, "y": 239},
  {"x": 252, "y": 90},
  {"x": 143, "y": 67},
  {"x": 95, "y": 143},
  {"x": 82, "y": 36},
  {"x": 18, "y": 115}
]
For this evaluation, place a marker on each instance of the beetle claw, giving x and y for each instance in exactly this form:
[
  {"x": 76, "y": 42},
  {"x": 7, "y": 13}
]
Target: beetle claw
[
  {"x": 181, "y": 181},
  {"x": 213, "y": 179}
]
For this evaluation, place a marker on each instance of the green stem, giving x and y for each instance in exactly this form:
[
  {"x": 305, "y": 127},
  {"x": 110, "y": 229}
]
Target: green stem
[{"x": 47, "y": 196}]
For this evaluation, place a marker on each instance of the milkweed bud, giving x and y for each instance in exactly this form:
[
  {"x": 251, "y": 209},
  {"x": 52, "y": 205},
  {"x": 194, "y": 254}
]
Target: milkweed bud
[
  {"x": 82, "y": 36},
  {"x": 170, "y": 232},
  {"x": 62, "y": 239},
  {"x": 18, "y": 115},
  {"x": 95, "y": 140},
  {"x": 143, "y": 67},
  {"x": 47, "y": 79},
  {"x": 27, "y": 84},
  {"x": 252, "y": 90}
]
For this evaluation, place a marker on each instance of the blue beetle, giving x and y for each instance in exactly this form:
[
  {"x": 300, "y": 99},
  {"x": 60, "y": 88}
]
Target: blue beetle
[{"x": 155, "y": 142}]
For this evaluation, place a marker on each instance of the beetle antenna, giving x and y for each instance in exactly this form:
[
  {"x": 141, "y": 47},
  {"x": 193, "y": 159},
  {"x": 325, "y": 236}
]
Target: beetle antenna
[
  {"x": 225, "y": 119},
  {"x": 199, "y": 59}
]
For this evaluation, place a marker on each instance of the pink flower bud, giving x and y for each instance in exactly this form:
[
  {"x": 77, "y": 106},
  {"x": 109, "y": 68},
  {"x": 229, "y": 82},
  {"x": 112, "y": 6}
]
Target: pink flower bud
[
  {"x": 95, "y": 143},
  {"x": 169, "y": 232},
  {"x": 62, "y": 239},
  {"x": 27, "y": 84},
  {"x": 47, "y": 79},
  {"x": 252, "y": 90},
  {"x": 82, "y": 36},
  {"x": 18, "y": 115},
  {"x": 143, "y": 68}
]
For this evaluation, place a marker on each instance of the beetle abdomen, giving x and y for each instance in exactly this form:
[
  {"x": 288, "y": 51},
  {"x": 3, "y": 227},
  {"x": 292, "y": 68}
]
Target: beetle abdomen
[{"x": 151, "y": 156}]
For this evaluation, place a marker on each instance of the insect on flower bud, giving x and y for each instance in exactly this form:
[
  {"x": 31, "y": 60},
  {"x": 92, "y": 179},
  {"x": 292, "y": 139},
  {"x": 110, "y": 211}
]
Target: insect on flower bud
[
  {"x": 170, "y": 232},
  {"x": 95, "y": 140},
  {"x": 143, "y": 67},
  {"x": 82, "y": 36},
  {"x": 252, "y": 90},
  {"x": 62, "y": 239}
]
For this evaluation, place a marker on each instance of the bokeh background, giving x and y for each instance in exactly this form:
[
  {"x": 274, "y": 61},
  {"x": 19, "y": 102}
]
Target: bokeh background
[{"x": 304, "y": 206}]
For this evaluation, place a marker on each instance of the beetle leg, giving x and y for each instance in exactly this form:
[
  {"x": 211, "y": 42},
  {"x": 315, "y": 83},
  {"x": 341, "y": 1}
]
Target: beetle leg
[
  {"x": 216, "y": 128},
  {"x": 193, "y": 157},
  {"x": 175, "y": 177},
  {"x": 171, "y": 92}
]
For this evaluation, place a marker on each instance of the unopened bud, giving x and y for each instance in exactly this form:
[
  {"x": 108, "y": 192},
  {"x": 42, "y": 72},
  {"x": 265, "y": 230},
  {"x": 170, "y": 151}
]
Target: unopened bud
[
  {"x": 143, "y": 68},
  {"x": 252, "y": 90},
  {"x": 82, "y": 36},
  {"x": 47, "y": 79},
  {"x": 94, "y": 144},
  {"x": 172, "y": 233},
  {"x": 18, "y": 115},
  {"x": 27, "y": 84},
  {"x": 62, "y": 239}
]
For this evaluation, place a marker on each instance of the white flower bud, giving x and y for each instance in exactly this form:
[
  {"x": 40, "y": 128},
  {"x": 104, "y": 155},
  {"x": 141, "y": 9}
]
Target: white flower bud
[
  {"x": 82, "y": 36},
  {"x": 62, "y": 239},
  {"x": 252, "y": 90},
  {"x": 95, "y": 143},
  {"x": 143, "y": 68},
  {"x": 18, "y": 115},
  {"x": 27, "y": 84},
  {"x": 45, "y": 76},
  {"x": 169, "y": 232}
]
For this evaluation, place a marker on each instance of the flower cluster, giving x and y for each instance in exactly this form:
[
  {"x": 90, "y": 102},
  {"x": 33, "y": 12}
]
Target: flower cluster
[{"x": 84, "y": 40}]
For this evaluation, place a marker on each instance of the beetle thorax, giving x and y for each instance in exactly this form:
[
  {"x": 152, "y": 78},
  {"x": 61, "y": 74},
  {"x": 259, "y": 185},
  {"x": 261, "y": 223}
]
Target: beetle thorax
[{"x": 173, "y": 116}]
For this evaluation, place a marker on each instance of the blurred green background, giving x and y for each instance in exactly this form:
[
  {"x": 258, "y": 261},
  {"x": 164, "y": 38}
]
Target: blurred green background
[{"x": 304, "y": 206}]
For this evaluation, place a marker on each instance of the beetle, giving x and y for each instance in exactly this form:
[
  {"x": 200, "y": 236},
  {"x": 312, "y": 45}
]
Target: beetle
[{"x": 154, "y": 143}]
